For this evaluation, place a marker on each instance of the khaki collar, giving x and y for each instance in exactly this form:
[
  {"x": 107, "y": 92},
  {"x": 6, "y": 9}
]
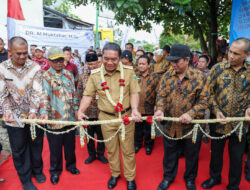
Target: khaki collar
[{"x": 118, "y": 69}]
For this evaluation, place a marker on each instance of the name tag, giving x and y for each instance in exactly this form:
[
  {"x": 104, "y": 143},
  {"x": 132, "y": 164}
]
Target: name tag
[{"x": 226, "y": 78}]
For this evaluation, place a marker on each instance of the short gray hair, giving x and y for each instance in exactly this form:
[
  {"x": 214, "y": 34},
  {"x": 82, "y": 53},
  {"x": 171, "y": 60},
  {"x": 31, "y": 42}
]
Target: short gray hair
[
  {"x": 246, "y": 41},
  {"x": 17, "y": 39}
]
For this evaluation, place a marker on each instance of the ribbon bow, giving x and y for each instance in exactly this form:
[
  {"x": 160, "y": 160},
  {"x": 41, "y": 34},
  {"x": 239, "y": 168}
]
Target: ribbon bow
[
  {"x": 105, "y": 88},
  {"x": 118, "y": 107},
  {"x": 122, "y": 80},
  {"x": 103, "y": 83},
  {"x": 149, "y": 120},
  {"x": 126, "y": 120}
]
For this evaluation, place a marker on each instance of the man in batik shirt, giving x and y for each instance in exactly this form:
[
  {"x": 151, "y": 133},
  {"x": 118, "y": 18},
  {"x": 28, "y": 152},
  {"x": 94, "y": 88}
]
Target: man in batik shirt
[
  {"x": 229, "y": 84},
  {"x": 92, "y": 113},
  {"x": 149, "y": 84},
  {"x": 182, "y": 94},
  {"x": 20, "y": 92},
  {"x": 59, "y": 103}
]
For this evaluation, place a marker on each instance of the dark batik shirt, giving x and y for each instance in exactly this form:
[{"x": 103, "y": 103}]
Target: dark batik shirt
[
  {"x": 92, "y": 111},
  {"x": 230, "y": 92},
  {"x": 149, "y": 86},
  {"x": 177, "y": 97}
]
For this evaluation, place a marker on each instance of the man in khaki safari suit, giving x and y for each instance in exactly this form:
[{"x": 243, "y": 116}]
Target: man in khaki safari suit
[{"x": 109, "y": 79}]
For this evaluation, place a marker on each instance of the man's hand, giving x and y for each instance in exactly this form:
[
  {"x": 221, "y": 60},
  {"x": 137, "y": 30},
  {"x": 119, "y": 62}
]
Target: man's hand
[
  {"x": 160, "y": 71},
  {"x": 8, "y": 118},
  {"x": 32, "y": 116},
  {"x": 76, "y": 114},
  {"x": 185, "y": 118},
  {"x": 44, "y": 117},
  {"x": 81, "y": 116},
  {"x": 248, "y": 113},
  {"x": 219, "y": 115},
  {"x": 136, "y": 116},
  {"x": 158, "y": 115}
]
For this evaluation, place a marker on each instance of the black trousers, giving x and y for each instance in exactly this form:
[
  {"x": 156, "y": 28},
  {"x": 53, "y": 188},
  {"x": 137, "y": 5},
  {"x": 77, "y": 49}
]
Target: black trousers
[
  {"x": 143, "y": 129},
  {"x": 247, "y": 166},
  {"x": 171, "y": 157},
  {"x": 27, "y": 154},
  {"x": 56, "y": 144},
  {"x": 236, "y": 150},
  {"x": 91, "y": 144}
]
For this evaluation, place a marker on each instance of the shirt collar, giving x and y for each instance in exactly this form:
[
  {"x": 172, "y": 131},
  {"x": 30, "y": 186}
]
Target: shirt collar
[
  {"x": 188, "y": 73},
  {"x": 228, "y": 65},
  {"x": 149, "y": 72},
  {"x": 4, "y": 52},
  {"x": 27, "y": 64},
  {"x": 117, "y": 69},
  {"x": 53, "y": 71}
]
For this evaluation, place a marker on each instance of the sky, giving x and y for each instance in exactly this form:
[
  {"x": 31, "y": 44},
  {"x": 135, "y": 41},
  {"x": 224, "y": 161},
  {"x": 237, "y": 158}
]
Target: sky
[{"x": 88, "y": 14}]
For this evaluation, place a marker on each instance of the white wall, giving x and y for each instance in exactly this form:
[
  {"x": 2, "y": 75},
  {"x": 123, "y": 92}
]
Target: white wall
[{"x": 32, "y": 11}]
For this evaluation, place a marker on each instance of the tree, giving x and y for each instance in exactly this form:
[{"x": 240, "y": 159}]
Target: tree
[
  {"x": 148, "y": 47},
  {"x": 64, "y": 7},
  {"x": 179, "y": 39},
  {"x": 200, "y": 18}
]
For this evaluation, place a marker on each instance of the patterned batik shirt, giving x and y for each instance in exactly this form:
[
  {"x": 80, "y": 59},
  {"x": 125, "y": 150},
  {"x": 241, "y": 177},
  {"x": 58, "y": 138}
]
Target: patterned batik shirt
[
  {"x": 177, "y": 97},
  {"x": 166, "y": 65},
  {"x": 58, "y": 101},
  {"x": 92, "y": 111},
  {"x": 44, "y": 63},
  {"x": 230, "y": 92},
  {"x": 77, "y": 62},
  {"x": 20, "y": 89},
  {"x": 149, "y": 86}
]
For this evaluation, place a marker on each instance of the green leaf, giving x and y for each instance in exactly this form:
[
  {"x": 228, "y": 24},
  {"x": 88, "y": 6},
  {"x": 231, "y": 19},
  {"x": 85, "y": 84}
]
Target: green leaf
[{"x": 119, "y": 3}]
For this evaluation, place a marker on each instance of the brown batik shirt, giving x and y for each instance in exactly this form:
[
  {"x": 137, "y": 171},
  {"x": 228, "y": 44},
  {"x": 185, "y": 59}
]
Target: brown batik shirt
[
  {"x": 149, "y": 85},
  {"x": 177, "y": 97},
  {"x": 230, "y": 93},
  {"x": 92, "y": 111}
]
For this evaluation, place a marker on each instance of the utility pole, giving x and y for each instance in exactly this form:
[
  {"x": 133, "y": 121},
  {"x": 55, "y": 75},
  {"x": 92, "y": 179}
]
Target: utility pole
[{"x": 96, "y": 30}]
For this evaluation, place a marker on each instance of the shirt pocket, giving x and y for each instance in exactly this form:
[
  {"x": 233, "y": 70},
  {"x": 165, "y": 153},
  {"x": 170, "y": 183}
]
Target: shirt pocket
[
  {"x": 100, "y": 91},
  {"x": 244, "y": 98},
  {"x": 224, "y": 82}
]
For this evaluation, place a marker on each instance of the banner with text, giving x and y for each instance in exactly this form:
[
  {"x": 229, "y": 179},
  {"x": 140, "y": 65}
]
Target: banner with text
[
  {"x": 41, "y": 36},
  {"x": 240, "y": 20}
]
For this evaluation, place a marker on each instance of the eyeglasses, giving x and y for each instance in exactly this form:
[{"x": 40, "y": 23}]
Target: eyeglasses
[{"x": 60, "y": 60}]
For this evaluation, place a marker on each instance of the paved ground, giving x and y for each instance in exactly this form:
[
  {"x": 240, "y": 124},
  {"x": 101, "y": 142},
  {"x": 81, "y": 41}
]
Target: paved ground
[{"x": 4, "y": 140}]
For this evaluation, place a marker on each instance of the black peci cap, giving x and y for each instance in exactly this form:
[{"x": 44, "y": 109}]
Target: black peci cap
[
  {"x": 127, "y": 54},
  {"x": 90, "y": 57},
  {"x": 178, "y": 51}
]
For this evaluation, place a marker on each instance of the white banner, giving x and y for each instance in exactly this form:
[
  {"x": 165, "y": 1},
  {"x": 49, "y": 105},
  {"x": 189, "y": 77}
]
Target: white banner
[
  {"x": 125, "y": 38},
  {"x": 41, "y": 36}
]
